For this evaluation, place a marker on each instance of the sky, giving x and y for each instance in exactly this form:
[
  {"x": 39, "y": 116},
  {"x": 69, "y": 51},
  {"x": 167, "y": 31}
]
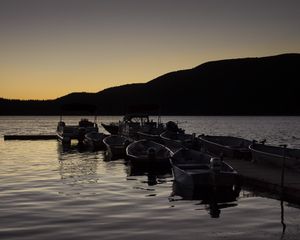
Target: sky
[{"x": 49, "y": 48}]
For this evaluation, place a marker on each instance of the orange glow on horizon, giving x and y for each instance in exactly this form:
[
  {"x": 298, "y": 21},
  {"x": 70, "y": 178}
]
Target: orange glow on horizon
[{"x": 50, "y": 48}]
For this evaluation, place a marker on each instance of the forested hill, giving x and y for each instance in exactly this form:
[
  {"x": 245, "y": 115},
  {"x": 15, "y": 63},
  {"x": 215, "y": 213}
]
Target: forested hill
[{"x": 247, "y": 86}]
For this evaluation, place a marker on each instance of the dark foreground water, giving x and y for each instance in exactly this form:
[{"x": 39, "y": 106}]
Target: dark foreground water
[{"x": 47, "y": 192}]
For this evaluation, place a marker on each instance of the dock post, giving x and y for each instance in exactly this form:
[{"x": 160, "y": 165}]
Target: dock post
[{"x": 282, "y": 170}]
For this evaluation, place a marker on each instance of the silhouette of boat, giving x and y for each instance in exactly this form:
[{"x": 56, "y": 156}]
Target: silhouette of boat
[
  {"x": 177, "y": 140},
  {"x": 94, "y": 140},
  {"x": 135, "y": 125},
  {"x": 112, "y": 128},
  {"x": 275, "y": 155},
  {"x": 194, "y": 169},
  {"x": 148, "y": 152},
  {"x": 116, "y": 145},
  {"x": 65, "y": 133},
  {"x": 151, "y": 132},
  {"x": 132, "y": 123},
  {"x": 234, "y": 147}
]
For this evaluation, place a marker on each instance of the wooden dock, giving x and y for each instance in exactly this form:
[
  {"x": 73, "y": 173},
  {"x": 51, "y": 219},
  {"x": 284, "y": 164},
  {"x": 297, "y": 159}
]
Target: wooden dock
[
  {"x": 30, "y": 137},
  {"x": 268, "y": 178}
]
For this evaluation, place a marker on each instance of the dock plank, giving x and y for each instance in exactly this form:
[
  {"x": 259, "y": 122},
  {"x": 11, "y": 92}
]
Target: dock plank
[{"x": 30, "y": 137}]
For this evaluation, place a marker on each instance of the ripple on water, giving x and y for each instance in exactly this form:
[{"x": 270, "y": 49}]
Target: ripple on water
[{"x": 47, "y": 192}]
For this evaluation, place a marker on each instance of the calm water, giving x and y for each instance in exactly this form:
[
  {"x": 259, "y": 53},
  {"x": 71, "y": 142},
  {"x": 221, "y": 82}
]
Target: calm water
[{"x": 49, "y": 193}]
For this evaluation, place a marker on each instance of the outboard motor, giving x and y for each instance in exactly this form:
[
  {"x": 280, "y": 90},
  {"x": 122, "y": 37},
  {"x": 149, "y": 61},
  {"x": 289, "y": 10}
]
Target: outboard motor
[{"x": 215, "y": 164}]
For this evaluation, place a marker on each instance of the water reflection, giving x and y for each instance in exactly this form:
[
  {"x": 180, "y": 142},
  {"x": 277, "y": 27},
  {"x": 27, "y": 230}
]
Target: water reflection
[
  {"x": 77, "y": 166},
  {"x": 282, "y": 219},
  {"x": 155, "y": 174},
  {"x": 213, "y": 201}
]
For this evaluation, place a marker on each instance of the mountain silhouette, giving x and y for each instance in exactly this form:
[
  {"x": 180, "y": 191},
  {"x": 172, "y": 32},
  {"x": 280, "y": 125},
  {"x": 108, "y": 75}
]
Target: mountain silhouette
[{"x": 246, "y": 86}]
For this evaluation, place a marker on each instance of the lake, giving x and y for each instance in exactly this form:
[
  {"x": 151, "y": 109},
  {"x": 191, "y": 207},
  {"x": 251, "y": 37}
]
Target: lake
[{"x": 48, "y": 192}]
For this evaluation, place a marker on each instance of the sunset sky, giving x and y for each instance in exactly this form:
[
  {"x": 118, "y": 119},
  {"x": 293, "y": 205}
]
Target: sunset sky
[{"x": 50, "y": 48}]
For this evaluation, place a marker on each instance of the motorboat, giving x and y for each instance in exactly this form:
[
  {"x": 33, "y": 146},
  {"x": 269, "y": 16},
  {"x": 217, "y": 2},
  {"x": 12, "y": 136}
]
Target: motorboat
[
  {"x": 134, "y": 123},
  {"x": 177, "y": 140},
  {"x": 94, "y": 140},
  {"x": 194, "y": 169},
  {"x": 151, "y": 132},
  {"x": 148, "y": 152},
  {"x": 65, "y": 133},
  {"x": 116, "y": 145},
  {"x": 228, "y": 146},
  {"x": 275, "y": 155}
]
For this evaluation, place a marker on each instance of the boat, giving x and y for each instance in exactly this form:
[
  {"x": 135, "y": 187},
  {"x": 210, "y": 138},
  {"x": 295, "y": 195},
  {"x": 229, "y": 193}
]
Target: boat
[
  {"x": 194, "y": 169},
  {"x": 148, "y": 152},
  {"x": 178, "y": 140},
  {"x": 151, "y": 132},
  {"x": 94, "y": 140},
  {"x": 116, "y": 146},
  {"x": 65, "y": 133},
  {"x": 112, "y": 128},
  {"x": 228, "y": 146},
  {"x": 133, "y": 123},
  {"x": 275, "y": 155}
]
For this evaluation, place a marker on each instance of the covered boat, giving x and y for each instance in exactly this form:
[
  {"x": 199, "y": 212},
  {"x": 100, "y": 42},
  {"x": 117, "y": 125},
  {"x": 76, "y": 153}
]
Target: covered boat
[
  {"x": 193, "y": 169},
  {"x": 229, "y": 146},
  {"x": 116, "y": 145},
  {"x": 148, "y": 152},
  {"x": 275, "y": 155}
]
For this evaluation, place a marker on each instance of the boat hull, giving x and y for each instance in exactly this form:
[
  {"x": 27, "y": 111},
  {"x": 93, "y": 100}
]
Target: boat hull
[
  {"x": 218, "y": 146},
  {"x": 94, "y": 143},
  {"x": 147, "y": 152},
  {"x": 272, "y": 155},
  {"x": 111, "y": 128},
  {"x": 205, "y": 178},
  {"x": 116, "y": 146},
  {"x": 193, "y": 169}
]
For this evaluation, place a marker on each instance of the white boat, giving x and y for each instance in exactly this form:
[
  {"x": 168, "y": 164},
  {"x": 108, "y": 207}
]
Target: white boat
[
  {"x": 229, "y": 146},
  {"x": 116, "y": 145},
  {"x": 94, "y": 140},
  {"x": 275, "y": 155},
  {"x": 65, "y": 133},
  {"x": 194, "y": 169},
  {"x": 148, "y": 152}
]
